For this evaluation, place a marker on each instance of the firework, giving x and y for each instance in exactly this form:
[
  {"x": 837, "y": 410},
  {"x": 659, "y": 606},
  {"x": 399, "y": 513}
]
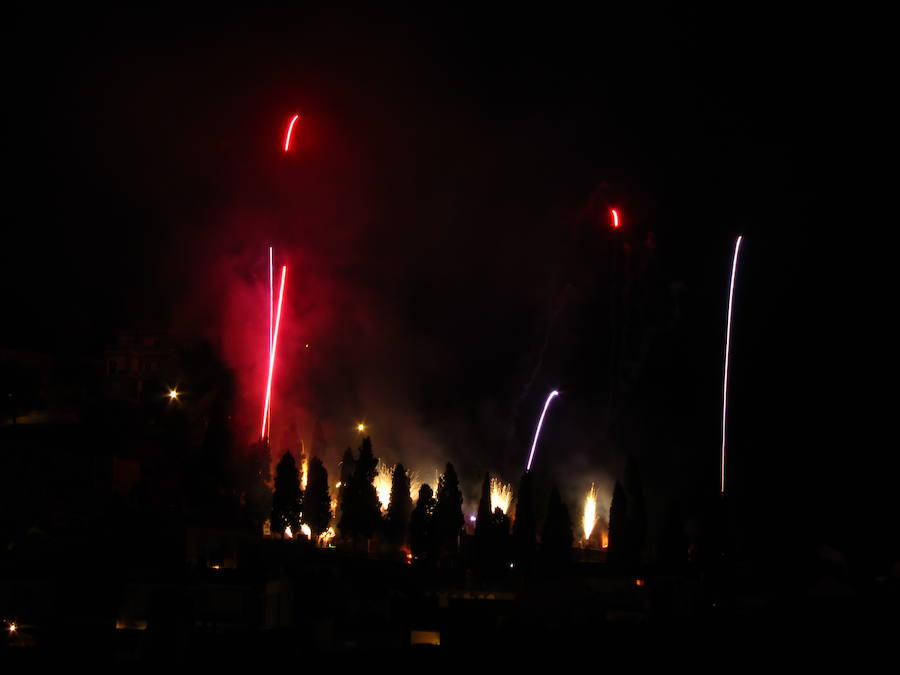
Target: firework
[
  {"x": 615, "y": 218},
  {"x": 384, "y": 476},
  {"x": 304, "y": 472},
  {"x": 737, "y": 246},
  {"x": 537, "y": 432},
  {"x": 326, "y": 537},
  {"x": 307, "y": 532},
  {"x": 501, "y": 495},
  {"x": 288, "y": 533},
  {"x": 271, "y": 307},
  {"x": 589, "y": 519},
  {"x": 272, "y": 355},
  {"x": 290, "y": 131}
]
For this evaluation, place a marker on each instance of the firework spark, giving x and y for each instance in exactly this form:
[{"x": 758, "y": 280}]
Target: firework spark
[
  {"x": 737, "y": 246},
  {"x": 384, "y": 476},
  {"x": 589, "y": 519},
  {"x": 272, "y": 355},
  {"x": 501, "y": 495},
  {"x": 304, "y": 472},
  {"x": 537, "y": 432}
]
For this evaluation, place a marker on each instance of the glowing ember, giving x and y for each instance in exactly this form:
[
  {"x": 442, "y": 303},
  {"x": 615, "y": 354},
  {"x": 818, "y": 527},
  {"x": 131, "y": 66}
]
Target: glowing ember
[
  {"x": 384, "y": 475},
  {"x": 306, "y": 531},
  {"x": 501, "y": 495},
  {"x": 604, "y": 540},
  {"x": 589, "y": 519},
  {"x": 304, "y": 472},
  {"x": 288, "y": 533}
]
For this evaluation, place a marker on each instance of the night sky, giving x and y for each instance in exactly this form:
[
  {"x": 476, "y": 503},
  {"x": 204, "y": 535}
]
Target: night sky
[{"x": 439, "y": 212}]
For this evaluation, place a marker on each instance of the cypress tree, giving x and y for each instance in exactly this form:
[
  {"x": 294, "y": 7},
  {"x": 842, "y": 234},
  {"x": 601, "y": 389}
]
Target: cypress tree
[
  {"x": 286, "y": 500},
  {"x": 360, "y": 508},
  {"x": 400, "y": 507},
  {"x": 316, "y": 501},
  {"x": 483, "y": 521},
  {"x": 617, "y": 551},
  {"x": 524, "y": 527},
  {"x": 448, "y": 515},
  {"x": 556, "y": 537},
  {"x": 637, "y": 511},
  {"x": 421, "y": 524}
]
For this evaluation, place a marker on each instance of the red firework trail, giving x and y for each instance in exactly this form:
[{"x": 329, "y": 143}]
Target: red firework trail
[
  {"x": 615, "y": 218},
  {"x": 265, "y": 420},
  {"x": 290, "y": 130},
  {"x": 271, "y": 303}
]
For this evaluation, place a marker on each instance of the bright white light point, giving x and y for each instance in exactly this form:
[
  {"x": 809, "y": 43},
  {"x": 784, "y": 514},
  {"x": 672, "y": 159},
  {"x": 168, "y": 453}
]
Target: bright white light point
[
  {"x": 173, "y": 394},
  {"x": 472, "y": 519}
]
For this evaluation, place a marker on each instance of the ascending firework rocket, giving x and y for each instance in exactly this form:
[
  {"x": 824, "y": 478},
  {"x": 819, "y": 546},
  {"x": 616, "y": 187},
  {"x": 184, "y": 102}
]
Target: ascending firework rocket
[
  {"x": 537, "y": 432},
  {"x": 737, "y": 247}
]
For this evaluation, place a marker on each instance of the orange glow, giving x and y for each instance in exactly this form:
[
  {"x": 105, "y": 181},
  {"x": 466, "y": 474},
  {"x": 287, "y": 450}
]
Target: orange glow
[
  {"x": 360, "y": 427},
  {"x": 501, "y": 496},
  {"x": 290, "y": 130},
  {"x": 638, "y": 582},
  {"x": 589, "y": 518},
  {"x": 173, "y": 394},
  {"x": 604, "y": 540}
]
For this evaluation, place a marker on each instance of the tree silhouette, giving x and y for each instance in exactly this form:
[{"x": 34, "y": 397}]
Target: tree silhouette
[
  {"x": 421, "y": 524},
  {"x": 673, "y": 547},
  {"x": 617, "y": 550},
  {"x": 556, "y": 538},
  {"x": 347, "y": 466},
  {"x": 316, "y": 500},
  {"x": 400, "y": 507},
  {"x": 637, "y": 511},
  {"x": 448, "y": 515},
  {"x": 286, "y": 500},
  {"x": 524, "y": 526},
  {"x": 360, "y": 508},
  {"x": 483, "y": 521}
]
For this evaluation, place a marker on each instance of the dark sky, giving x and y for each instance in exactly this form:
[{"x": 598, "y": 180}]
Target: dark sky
[{"x": 446, "y": 265}]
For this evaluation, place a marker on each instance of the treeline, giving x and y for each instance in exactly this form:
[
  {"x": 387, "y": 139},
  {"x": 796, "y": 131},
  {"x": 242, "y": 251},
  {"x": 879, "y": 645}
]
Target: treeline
[{"x": 428, "y": 527}]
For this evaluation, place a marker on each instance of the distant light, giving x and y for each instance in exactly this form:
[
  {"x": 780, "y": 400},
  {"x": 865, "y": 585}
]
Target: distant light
[
  {"x": 174, "y": 394},
  {"x": 638, "y": 582},
  {"x": 12, "y": 628},
  {"x": 615, "y": 218},
  {"x": 307, "y": 345},
  {"x": 360, "y": 427},
  {"x": 472, "y": 519}
]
